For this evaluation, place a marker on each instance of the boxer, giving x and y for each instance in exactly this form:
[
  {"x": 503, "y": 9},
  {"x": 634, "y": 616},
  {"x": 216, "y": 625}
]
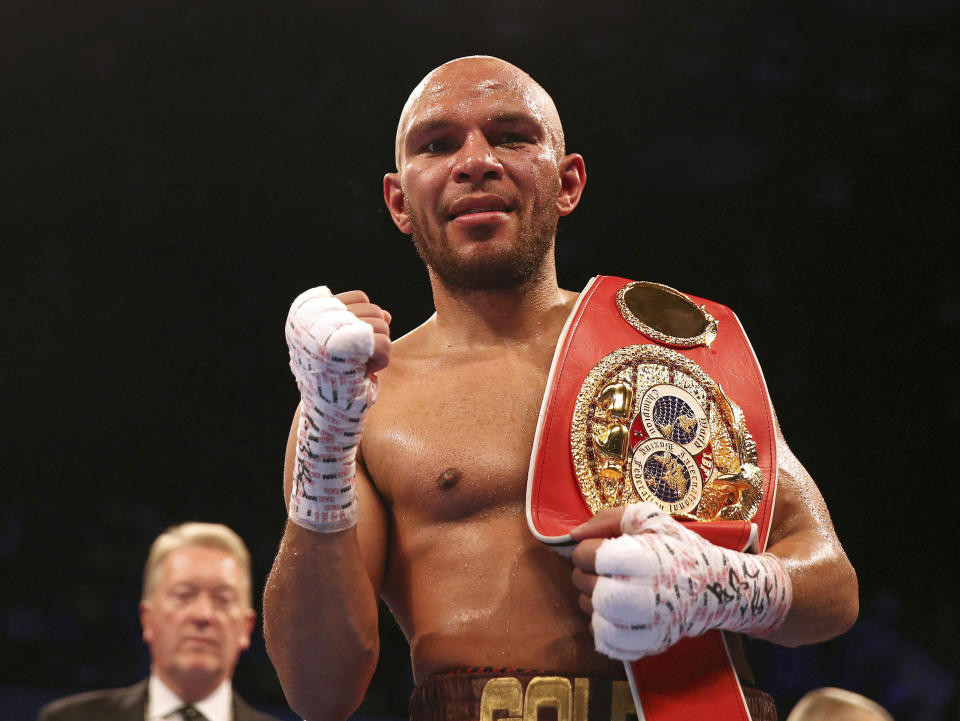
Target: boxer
[{"x": 427, "y": 512}]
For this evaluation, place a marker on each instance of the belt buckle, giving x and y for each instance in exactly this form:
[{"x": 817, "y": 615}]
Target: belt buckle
[{"x": 651, "y": 425}]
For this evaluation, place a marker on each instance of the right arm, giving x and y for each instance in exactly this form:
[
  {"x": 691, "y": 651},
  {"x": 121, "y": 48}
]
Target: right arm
[
  {"x": 320, "y": 606},
  {"x": 320, "y": 601}
]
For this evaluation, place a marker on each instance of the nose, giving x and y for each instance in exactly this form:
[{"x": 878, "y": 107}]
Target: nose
[
  {"x": 201, "y": 610},
  {"x": 476, "y": 161}
]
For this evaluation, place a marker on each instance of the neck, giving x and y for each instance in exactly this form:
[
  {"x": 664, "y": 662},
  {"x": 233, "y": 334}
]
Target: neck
[
  {"x": 191, "y": 688},
  {"x": 495, "y": 317}
]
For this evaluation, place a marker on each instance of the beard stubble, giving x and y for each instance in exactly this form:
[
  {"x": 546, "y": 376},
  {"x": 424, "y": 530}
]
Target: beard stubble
[{"x": 509, "y": 269}]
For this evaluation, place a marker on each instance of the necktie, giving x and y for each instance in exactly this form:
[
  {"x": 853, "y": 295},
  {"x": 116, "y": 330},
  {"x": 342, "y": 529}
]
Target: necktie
[{"x": 190, "y": 713}]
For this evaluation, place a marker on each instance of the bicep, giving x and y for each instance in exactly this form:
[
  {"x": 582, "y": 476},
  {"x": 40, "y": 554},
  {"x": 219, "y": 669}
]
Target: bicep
[
  {"x": 372, "y": 526},
  {"x": 372, "y": 522},
  {"x": 803, "y": 538},
  {"x": 800, "y": 511}
]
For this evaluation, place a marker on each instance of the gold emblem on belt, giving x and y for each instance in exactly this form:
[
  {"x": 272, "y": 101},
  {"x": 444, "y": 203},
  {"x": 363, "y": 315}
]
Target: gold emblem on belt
[{"x": 651, "y": 425}]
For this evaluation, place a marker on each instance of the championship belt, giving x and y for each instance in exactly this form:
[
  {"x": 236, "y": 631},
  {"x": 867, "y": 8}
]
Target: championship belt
[{"x": 657, "y": 396}]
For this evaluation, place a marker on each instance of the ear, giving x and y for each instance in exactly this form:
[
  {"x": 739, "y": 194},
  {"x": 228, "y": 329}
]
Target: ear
[
  {"x": 249, "y": 621},
  {"x": 573, "y": 176},
  {"x": 146, "y": 622},
  {"x": 393, "y": 197}
]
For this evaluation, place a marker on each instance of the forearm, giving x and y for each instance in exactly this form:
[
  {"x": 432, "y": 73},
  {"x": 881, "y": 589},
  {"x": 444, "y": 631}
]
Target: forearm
[
  {"x": 320, "y": 622},
  {"x": 320, "y": 603},
  {"x": 825, "y": 589}
]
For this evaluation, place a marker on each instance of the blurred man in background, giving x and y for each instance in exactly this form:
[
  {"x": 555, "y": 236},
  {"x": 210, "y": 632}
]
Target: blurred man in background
[{"x": 197, "y": 616}]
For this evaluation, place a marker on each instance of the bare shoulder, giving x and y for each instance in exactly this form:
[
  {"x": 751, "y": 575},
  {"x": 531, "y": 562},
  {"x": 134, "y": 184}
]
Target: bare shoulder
[
  {"x": 408, "y": 355},
  {"x": 418, "y": 343},
  {"x": 799, "y": 503}
]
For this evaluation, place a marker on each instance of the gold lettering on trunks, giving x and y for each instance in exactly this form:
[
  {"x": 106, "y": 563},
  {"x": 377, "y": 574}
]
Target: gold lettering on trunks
[
  {"x": 621, "y": 702},
  {"x": 553, "y": 691},
  {"x": 505, "y": 695},
  {"x": 581, "y": 698},
  {"x": 502, "y": 694}
]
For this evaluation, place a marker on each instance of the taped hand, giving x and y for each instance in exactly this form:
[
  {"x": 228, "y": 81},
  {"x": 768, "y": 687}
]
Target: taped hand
[{"x": 659, "y": 582}]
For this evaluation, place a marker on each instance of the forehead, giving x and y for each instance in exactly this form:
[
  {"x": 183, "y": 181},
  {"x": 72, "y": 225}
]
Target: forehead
[
  {"x": 200, "y": 564},
  {"x": 473, "y": 90}
]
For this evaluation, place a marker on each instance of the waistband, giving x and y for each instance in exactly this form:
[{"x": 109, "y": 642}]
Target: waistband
[{"x": 504, "y": 694}]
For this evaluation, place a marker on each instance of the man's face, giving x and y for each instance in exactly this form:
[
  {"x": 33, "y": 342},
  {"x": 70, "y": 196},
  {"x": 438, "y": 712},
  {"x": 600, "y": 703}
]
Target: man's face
[
  {"x": 196, "y": 622},
  {"x": 479, "y": 172}
]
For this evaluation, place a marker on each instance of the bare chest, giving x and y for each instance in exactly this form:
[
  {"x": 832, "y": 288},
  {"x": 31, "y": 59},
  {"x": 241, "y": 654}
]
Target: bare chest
[{"x": 451, "y": 441}]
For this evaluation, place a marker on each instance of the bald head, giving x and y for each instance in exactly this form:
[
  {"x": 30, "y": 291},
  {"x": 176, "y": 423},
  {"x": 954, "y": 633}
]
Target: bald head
[
  {"x": 837, "y": 704},
  {"x": 480, "y": 76}
]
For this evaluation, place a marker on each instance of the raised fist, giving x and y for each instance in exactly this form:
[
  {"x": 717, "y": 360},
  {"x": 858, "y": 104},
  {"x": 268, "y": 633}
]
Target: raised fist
[{"x": 335, "y": 343}]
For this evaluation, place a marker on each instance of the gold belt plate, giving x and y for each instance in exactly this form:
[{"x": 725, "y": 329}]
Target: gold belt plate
[{"x": 650, "y": 425}]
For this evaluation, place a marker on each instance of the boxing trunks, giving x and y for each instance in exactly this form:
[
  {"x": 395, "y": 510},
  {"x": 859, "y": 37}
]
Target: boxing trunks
[
  {"x": 657, "y": 396},
  {"x": 489, "y": 694}
]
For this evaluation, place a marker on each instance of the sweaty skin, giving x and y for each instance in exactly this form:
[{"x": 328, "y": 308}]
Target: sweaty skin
[
  {"x": 466, "y": 580},
  {"x": 441, "y": 476}
]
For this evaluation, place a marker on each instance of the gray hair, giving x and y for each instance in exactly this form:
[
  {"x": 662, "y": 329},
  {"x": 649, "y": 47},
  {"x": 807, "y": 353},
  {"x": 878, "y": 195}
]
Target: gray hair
[{"x": 205, "y": 535}]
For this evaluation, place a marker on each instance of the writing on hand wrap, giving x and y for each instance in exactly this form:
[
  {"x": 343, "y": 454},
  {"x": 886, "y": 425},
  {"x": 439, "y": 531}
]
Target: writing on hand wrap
[
  {"x": 329, "y": 350},
  {"x": 661, "y": 582}
]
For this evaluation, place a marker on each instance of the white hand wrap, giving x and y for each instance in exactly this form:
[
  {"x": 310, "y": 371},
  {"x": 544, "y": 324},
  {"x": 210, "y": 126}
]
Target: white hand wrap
[
  {"x": 329, "y": 349},
  {"x": 660, "y": 582}
]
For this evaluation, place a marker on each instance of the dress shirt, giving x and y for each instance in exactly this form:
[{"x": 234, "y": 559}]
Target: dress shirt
[{"x": 162, "y": 702}]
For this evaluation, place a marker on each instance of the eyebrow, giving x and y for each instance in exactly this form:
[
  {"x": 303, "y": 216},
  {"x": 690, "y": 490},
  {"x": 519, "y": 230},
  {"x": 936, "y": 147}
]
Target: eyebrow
[
  {"x": 424, "y": 127},
  {"x": 216, "y": 589},
  {"x": 514, "y": 118}
]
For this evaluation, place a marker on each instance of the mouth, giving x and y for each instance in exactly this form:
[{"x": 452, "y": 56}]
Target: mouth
[
  {"x": 479, "y": 207},
  {"x": 201, "y": 641}
]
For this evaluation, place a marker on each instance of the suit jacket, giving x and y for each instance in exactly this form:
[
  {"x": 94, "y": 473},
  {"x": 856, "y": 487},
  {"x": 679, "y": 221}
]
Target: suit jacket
[{"x": 124, "y": 704}]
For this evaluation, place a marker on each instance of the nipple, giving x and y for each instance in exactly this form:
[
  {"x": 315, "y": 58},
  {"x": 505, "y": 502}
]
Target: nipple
[{"x": 448, "y": 479}]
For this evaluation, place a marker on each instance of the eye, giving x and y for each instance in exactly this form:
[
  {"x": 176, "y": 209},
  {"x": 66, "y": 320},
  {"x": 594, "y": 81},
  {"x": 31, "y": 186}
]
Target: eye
[
  {"x": 512, "y": 139},
  {"x": 224, "y": 597},
  {"x": 438, "y": 145},
  {"x": 182, "y": 594}
]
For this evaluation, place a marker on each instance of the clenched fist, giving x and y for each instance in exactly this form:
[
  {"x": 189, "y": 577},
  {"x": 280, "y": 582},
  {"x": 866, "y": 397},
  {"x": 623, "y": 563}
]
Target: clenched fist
[{"x": 336, "y": 343}]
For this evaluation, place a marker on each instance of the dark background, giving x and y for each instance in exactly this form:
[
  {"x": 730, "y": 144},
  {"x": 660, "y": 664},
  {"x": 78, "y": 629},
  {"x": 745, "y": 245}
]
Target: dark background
[{"x": 173, "y": 173}]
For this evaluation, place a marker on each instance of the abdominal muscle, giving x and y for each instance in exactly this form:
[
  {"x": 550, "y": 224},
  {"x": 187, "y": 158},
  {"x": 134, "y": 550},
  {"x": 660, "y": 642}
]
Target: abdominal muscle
[{"x": 484, "y": 592}]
